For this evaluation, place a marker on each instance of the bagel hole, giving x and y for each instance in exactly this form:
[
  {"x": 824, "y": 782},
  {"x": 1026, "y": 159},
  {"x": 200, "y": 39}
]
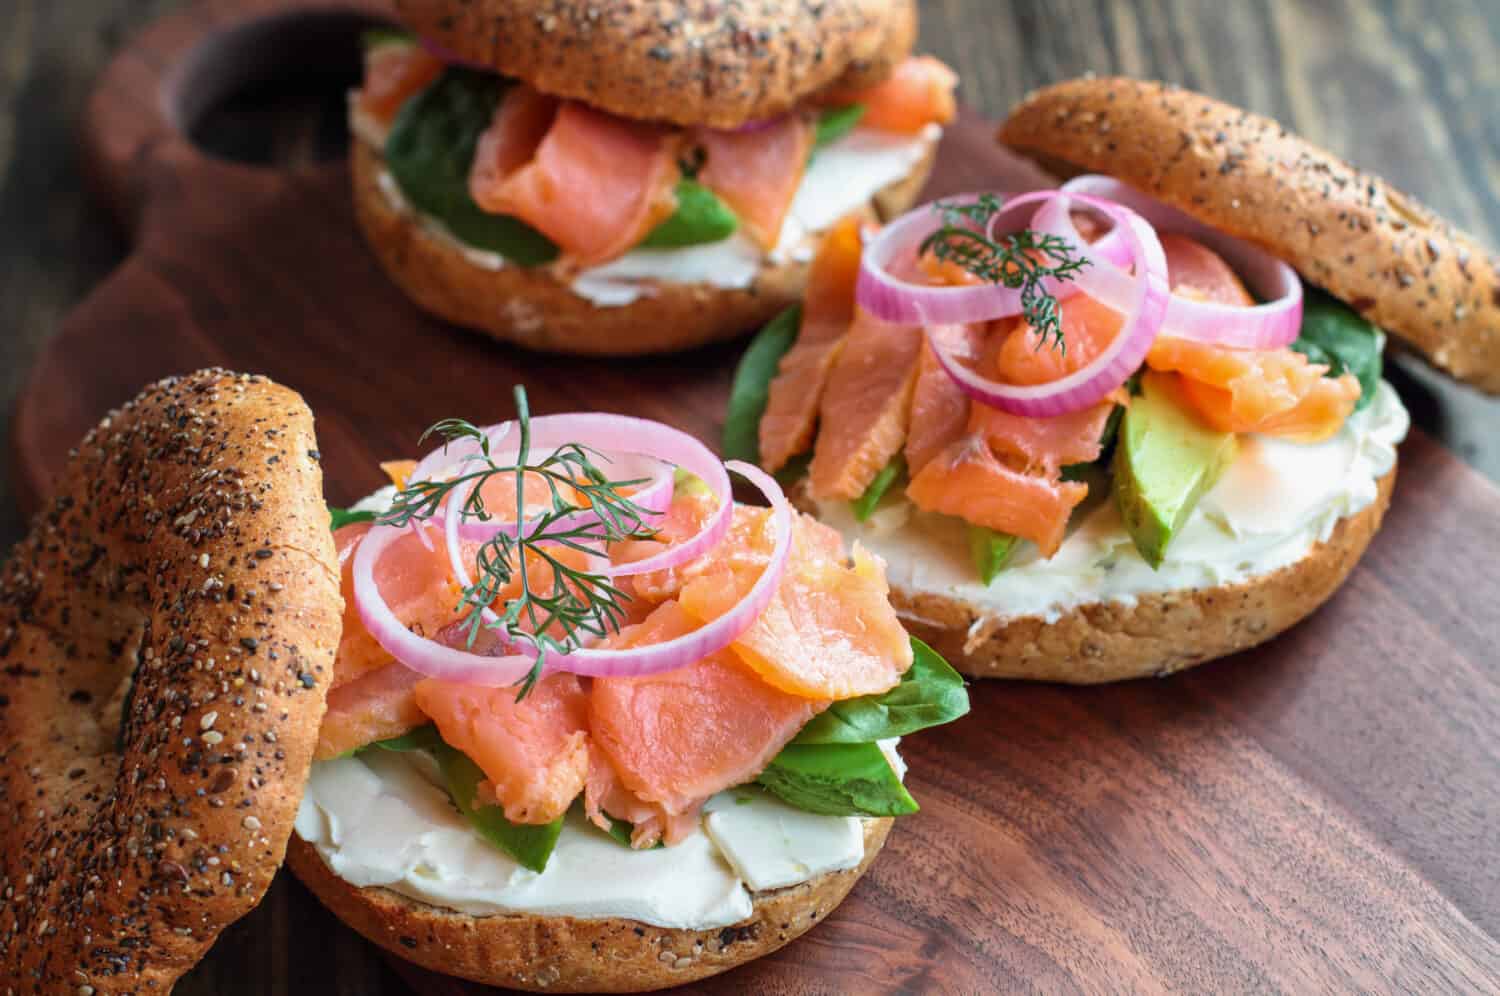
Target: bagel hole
[{"x": 272, "y": 92}]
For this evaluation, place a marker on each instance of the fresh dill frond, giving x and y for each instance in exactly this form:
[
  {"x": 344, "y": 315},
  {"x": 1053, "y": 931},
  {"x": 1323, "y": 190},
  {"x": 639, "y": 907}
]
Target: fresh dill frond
[
  {"x": 1022, "y": 260},
  {"x": 579, "y": 603}
]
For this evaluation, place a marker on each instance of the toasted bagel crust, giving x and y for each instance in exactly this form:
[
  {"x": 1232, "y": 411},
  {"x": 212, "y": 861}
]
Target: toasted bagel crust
[
  {"x": 1392, "y": 259},
  {"x": 536, "y": 309},
  {"x": 187, "y": 543},
  {"x": 567, "y": 955},
  {"x": 688, "y": 62},
  {"x": 1157, "y": 635}
]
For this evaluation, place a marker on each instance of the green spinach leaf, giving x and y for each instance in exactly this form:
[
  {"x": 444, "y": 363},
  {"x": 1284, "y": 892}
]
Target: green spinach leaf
[
  {"x": 835, "y": 123},
  {"x": 752, "y": 385},
  {"x": 700, "y": 218},
  {"x": 864, "y": 506},
  {"x": 429, "y": 152},
  {"x": 991, "y": 551},
  {"x": 375, "y": 37},
  {"x": 838, "y": 780},
  {"x": 930, "y": 693},
  {"x": 338, "y": 518},
  {"x": 1335, "y": 334}
]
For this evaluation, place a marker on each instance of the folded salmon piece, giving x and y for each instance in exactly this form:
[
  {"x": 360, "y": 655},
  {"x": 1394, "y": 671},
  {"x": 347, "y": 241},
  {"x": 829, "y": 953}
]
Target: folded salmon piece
[
  {"x": 676, "y": 738},
  {"x": 756, "y": 171},
  {"x": 377, "y": 706},
  {"x": 593, "y": 183},
  {"x": 534, "y": 753}
]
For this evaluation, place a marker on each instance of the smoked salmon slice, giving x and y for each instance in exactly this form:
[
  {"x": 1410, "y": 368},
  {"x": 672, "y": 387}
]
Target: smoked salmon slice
[
  {"x": 966, "y": 480},
  {"x": 394, "y": 73},
  {"x": 1044, "y": 445},
  {"x": 918, "y": 92},
  {"x": 593, "y": 183},
  {"x": 866, "y": 407},
  {"x": 756, "y": 171},
  {"x": 415, "y": 583},
  {"x": 1024, "y": 359},
  {"x": 939, "y": 407},
  {"x": 786, "y": 428},
  {"x": 689, "y": 512},
  {"x": 376, "y": 706},
  {"x": 678, "y": 737},
  {"x": 1271, "y": 391},
  {"x": 606, "y": 797},
  {"x": 829, "y": 631},
  {"x": 1194, "y": 270},
  {"x": 534, "y": 753}
]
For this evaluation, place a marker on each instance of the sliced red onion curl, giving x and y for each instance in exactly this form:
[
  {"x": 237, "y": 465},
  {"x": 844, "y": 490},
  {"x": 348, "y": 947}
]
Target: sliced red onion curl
[
  {"x": 605, "y": 433},
  {"x": 1271, "y": 325},
  {"x": 1141, "y": 297}
]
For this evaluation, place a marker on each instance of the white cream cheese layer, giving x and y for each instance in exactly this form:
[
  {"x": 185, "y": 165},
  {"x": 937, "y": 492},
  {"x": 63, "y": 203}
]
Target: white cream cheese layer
[
  {"x": 382, "y": 819},
  {"x": 843, "y": 177},
  {"x": 1271, "y": 506}
]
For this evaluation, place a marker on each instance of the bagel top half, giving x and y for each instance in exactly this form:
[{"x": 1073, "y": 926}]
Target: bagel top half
[
  {"x": 1348, "y": 231},
  {"x": 687, "y": 62},
  {"x": 167, "y": 632}
]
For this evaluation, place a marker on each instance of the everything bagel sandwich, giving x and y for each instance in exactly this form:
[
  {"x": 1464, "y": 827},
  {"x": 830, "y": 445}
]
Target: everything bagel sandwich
[
  {"x": 517, "y": 718},
  {"x": 1125, "y": 426},
  {"x": 611, "y": 180}
]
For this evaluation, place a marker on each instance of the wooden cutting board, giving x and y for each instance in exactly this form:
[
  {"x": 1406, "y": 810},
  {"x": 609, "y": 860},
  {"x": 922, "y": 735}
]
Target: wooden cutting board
[{"x": 1322, "y": 814}]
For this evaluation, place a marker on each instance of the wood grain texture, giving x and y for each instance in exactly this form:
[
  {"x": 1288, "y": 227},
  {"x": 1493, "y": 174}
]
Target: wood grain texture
[{"x": 1316, "y": 816}]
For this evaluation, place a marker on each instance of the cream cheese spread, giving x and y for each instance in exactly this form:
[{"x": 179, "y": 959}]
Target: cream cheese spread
[
  {"x": 1273, "y": 504},
  {"x": 843, "y": 177},
  {"x": 382, "y": 819}
]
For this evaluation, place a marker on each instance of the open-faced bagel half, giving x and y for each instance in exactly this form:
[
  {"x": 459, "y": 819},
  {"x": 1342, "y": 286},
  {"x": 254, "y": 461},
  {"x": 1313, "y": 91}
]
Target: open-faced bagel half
[
  {"x": 1348, "y": 231},
  {"x": 566, "y": 955},
  {"x": 694, "y": 62},
  {"x": 167, "y": 632}
]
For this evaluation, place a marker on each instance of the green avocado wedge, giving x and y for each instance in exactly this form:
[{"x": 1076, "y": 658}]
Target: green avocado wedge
[{"x": 1165, "y": 461}]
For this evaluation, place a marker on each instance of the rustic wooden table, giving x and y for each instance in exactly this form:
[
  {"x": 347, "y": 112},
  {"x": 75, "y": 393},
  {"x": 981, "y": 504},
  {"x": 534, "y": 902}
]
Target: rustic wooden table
[{"x": 1411, "y": 86}]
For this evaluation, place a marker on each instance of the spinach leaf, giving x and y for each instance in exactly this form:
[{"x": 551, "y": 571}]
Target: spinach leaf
[
  {"x": 838, "y": 780},
  {"x": 931, "y": 693},
  {"x": 752, "y": 385},
  {"x": 700, "y": 218},
  {"x": 1335, "y": 334},
  {"x": 429, "y": 152},
  {"x": 864, "y": 505},
  {"x": 338, "y": 518},
  {"x": 836, "y": 122},
  {"x": 991, "y": 551},
  {"x": 529, "y": 844}
]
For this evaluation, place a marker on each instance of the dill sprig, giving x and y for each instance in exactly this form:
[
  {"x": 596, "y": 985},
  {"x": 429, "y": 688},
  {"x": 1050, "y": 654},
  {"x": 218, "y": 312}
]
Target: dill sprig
[
  {"x": 580, "y": 603},
  {"x": 1021, "y": 260}
]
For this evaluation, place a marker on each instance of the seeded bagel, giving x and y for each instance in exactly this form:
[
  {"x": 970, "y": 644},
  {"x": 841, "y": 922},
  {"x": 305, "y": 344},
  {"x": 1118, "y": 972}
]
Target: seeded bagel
[
  {"x": 536, "y": 309},
  {"x": 1348, "y": 231},
  {"x": 166, "y": 635},
  {"x": 567, "y": 955},
  {"x": 688, "y": 62}
]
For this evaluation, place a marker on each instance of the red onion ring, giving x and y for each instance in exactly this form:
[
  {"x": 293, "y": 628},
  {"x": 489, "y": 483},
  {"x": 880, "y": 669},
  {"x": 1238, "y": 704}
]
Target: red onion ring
[
  {"x": 438, "y": 660},
  {"x": 1141, "y": 296},
  {"x": 1271, "y": 325}
]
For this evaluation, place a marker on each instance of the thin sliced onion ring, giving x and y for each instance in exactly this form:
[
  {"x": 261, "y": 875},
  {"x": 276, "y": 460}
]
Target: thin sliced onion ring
[
  {"x": 1271, "y": 325},
  {"x": 438, "y": 660},
  {"x": 1141, "y": 297}
]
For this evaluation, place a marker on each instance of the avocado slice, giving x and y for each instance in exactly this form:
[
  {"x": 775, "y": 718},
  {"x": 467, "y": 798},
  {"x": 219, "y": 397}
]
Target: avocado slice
[{"x": 1167, "y": 459}]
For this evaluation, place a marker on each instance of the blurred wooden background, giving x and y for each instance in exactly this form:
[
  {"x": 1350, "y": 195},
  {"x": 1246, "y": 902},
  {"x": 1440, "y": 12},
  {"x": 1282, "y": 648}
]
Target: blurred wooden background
[{"x": 1408, "y": 87}]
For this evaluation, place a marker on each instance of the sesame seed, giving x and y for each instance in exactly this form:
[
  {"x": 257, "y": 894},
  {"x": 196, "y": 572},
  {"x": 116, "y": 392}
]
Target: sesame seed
[
  {"x": 251, "y": 823},
  {"x": 203, "y": 561},
  {"x": 208, "y": 720},
  {"x": 213, "y": 738}
]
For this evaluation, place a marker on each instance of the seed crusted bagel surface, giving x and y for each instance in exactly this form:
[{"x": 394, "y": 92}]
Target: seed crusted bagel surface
[
  {"x": 167, "y": 633},
  {"x": 720, "y": 63},
  {"x": 1348, "y": 231}
]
